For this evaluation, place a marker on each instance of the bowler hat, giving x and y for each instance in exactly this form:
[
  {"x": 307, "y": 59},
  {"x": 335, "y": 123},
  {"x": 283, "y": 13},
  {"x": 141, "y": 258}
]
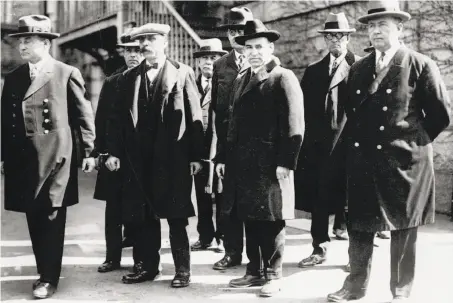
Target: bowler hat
[
  {"x": 210, "y": 47},
  {"x": 150, "y": 29},
  {"x": 255, "y": 29},
  {"x": 384, "y": 8},
  {"x": 237, "y": 17},
  {"x": 126, "y": 40},
  {"x": 35, "y": 25},
  {"x": 336, "y": 23}
]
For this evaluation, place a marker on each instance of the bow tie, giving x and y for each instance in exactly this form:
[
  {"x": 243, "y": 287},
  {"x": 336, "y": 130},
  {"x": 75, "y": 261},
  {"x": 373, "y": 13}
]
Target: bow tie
[{"x": 151, "y": 66}]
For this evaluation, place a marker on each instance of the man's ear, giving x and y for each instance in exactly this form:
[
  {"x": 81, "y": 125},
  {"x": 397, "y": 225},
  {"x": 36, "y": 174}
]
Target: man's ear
[{"x": 272, "y": 47}]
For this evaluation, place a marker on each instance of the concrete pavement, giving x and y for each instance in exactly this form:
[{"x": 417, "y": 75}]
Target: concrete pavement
[{"x": 85, "y": 250}]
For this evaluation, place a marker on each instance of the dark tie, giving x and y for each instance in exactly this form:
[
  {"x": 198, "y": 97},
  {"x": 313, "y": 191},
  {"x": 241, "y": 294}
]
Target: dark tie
[
  {"x": 380, "y": 63},
  {"x": 334, "y": 67},
  {"x": 208, "y": 86}
]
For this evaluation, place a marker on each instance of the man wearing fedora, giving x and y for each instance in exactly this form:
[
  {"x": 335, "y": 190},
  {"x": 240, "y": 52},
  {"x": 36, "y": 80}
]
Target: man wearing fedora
[
  {"x": 155, "y": 139},
  {"x": 320, "y": 177},
  {"x": 264, "y": 137},
  {"x": 43, "y": 104},
  {"x": 397, "y": 105},
  {"x": 226, "y": 69},
  {"x": 107, "y": 180},
  {"x": 209, "y": 52}
]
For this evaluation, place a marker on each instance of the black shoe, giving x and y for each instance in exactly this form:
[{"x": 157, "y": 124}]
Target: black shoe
[
  {"x": 227, "y": 262},
  {"x": 200, "y": 245},
  {"x": 180, "y": 280},
  {"x": 36, "y": 283},
  {"x": 126, "y": 243},
  {"x": 44, "y": 290},
  {"x": 344, "y": 295},
  {"x": 313, "y": 260},
  {"x": 108, "y": 266},
  {"x": 140, "y": 275},
  {"x": 247, "y": 281}
]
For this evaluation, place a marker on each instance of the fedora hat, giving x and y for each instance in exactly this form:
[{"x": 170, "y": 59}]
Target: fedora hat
[
  {"x": 384, "y": 8},
  {"x": 126, "y": 41},
  {"x": 237, "y": 17},
  {"x": 210, "y": 47},
  {"x": 369, "y": 49},
  {"x": 150, "y": 29},
  {"x": 35, "y": 25},
  {"x": 337, "y": 23},
  {"x": 255, "y": 29}
]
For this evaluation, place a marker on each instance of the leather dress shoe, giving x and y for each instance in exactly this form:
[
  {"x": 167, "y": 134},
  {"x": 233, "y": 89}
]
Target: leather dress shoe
[
  {"x": 382, "y": 235},
  {"x": 344, "y": 295},
  {"x": 227, "y": 262},
  {"x": 341, "y": 234},
  {"x": 44, "y": 290},
  {"x": 36, "y": 283},
  {"x": 200, "y": 245},
  {"x": 270, "y": 288},
  {"x": 180, "y": 280},
  {"x": 140, "y": 276},
  {"x": 247, "y": 281},
  {"x": 313, "y": 260},
  {"x": 108, "y": 266}
]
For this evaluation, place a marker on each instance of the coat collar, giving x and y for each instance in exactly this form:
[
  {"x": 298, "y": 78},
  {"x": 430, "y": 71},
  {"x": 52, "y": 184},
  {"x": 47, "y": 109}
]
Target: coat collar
[
  {"x": 42, "y": 78},
  {"x": 262, "y": 75},
  {"x": 231, "y": 60},
  {"x": 342, "y": 70}
]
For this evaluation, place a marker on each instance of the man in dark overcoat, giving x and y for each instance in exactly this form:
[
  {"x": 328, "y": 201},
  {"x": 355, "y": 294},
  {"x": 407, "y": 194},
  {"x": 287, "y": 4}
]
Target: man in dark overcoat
[
  {"x": 154, "y": 138},
  {"x": 397, "y": 105},
  {"x": 43, "y": 104},
  {"x": 108, "y": 181},
  {"x": 264, "y": 137},
  {"x": 209, "y": 52},
  {"x": 320, "y": 178},
  {"x": 226, "y": 70}
]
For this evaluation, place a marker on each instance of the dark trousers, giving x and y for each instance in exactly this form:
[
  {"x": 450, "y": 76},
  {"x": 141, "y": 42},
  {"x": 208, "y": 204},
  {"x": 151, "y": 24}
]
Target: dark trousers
[
  {"x": 205, "y": 226},
  {"x": 233, "y": 233},
  {"x": 47, "y": 239},
  {"x": 265, "y": 244},
  {"x": 320, "y": 227},
  {"x": 402, "y": 259},
  {"x": 113, "y": 230},
  {"x": 147, "y": 244}
]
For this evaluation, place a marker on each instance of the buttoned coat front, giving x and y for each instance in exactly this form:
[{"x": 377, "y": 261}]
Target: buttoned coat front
[
  {"x": 39, "y": 118},
  {"x": 162, "y": 180},
  {"x": 265, "y": 131},
  {"x": 390, "y": 131}
]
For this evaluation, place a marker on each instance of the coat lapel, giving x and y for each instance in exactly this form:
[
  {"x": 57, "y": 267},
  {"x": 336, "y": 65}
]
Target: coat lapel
[
  {"x": 135, "y": 80},
  {"x": 366, "y": 72},
  {"x": 262, "y": 75},
  {"x": 231, "y": 61},
  {"x": 394, "y": 67},
  {"x": 341, "y": 73},
  {"x": 206, "y": 98},
  {"x": 42, "y": 78},
  {"x": 165, "y": 82}
]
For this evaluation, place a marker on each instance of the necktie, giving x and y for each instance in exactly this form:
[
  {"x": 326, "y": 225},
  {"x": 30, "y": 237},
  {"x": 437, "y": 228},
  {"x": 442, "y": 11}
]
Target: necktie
[
  {"x": 380, "y": 63},
  {"x": 151, "y": 66},
  {"x": 334, "y": 67},
  {"x": 241, "y": 61},
  {"x": 33, "y": 72},
  {"x": 208, "y": 86}
]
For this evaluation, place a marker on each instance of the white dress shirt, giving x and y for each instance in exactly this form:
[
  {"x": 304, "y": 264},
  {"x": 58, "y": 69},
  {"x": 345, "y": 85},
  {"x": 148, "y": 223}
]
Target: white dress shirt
[
  {"x": 389, "y": 54},
  {"x": 338, "y": 60},
  {"x": 153, "y": 72},
  {"x": 37, "y": 67}
]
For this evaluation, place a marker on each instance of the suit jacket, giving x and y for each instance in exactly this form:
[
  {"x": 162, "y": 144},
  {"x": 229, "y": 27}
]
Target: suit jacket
[
  {"x": 265, "y": 130},
  {"x": 320, "y": 176},
  {"x": 391, "y": 125},
  {"x": 160, "y": 178},
  {"x": 38, "y": 141}
]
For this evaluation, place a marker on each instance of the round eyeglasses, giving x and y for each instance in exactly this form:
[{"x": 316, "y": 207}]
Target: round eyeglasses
[{"x": 336, "y": 36}]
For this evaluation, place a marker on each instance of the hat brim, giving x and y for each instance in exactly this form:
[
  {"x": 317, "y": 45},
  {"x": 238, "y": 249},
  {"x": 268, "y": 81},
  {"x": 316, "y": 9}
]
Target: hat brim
[
  {"x": 27, "y": 34},
  {"x": 135, "y": 37},
  {"x": 368, "y": 49},
  {"x": 270, "y": 35},
  {"x": 130, "y": 44},
  {"x": 401, "y": 15},
  {"x": 351, "y": 30},
  {"x": 232, "y": 26},
  {"x": 204, "y": 53}
]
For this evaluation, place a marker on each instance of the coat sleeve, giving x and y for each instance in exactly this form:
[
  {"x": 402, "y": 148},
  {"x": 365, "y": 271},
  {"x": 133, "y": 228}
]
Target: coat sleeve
[
  {"x": 108, "y": 92},
  {"x": 436, "y": 102},
  {"x": 193, "y": 117},
  {"x": 5, "y": 127},
  {"x": 291, "y": 121},
  {"x": 82, "y": 110}
]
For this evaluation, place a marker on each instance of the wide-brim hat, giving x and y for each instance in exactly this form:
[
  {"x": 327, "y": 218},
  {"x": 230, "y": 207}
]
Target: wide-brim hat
[
  {"x": 150, "y": 29},
  {"x": 237, "y": 18},
  {"x": 210, "y": 47},
  {"x": 368, "y": 49},
  {"x": 126, "y": 40},
  {"x": 256, "y": 29},
  {"x": 35, "y": 25},
  {"x": 337, "y": 23},
  {"x": 384, "y": 8}
]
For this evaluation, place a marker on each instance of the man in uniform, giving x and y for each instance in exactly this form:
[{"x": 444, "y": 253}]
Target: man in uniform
[
  {"x": 106, "y": 180},
  {"x": 226, "y": 69},
  {"x": 397, "y": 105},
  {"x": 43, "y": 103},
  {"x": 154, "y": 138},
  {"x": 320, "y": 176},
  {"x": 209, "y": 52},
  {"x": 264, "y": 137}
]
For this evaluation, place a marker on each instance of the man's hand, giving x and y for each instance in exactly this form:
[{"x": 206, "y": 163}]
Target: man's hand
[
  {"x": 195, "y": 167},
  {"x": 282, "y": 172},
  {"x": 220, "y": 170},
  {"x": 112, "y": 163},
  {"x": 88, "y": 164}
]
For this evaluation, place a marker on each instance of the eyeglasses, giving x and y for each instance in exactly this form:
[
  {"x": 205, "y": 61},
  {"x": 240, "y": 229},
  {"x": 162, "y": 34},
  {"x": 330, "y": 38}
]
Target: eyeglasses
[{"x": 337, "y": 36}]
